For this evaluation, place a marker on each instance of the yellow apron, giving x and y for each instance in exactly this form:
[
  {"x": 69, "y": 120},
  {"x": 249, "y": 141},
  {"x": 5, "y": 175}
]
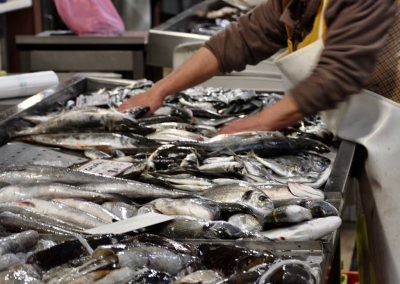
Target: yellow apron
[{"x": 372, "y": 121}]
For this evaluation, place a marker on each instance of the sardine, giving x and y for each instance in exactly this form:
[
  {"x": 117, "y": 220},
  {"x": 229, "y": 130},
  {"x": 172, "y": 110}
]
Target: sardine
[
  {"x": 198, "y": 208},
  {"x": 232, "y": 195},
  {"x": 308, "y": 231}
]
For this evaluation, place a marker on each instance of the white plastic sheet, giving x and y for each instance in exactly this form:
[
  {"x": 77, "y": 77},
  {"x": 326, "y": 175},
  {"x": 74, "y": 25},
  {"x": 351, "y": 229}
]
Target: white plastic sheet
[{"x": 26, "y": 84}]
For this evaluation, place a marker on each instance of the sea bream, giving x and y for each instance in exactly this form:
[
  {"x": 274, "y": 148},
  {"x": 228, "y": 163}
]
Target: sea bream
[{"x": 239, "y": 198}]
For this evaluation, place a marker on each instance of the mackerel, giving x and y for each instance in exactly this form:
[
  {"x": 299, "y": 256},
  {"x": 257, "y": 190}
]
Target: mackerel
[{"x": 93, "y": 141}]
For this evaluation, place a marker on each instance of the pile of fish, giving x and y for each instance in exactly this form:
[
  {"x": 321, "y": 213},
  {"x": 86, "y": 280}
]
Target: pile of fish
[
  {"x": 149, "y": 258},
  {"x": 250, "y": 185}
]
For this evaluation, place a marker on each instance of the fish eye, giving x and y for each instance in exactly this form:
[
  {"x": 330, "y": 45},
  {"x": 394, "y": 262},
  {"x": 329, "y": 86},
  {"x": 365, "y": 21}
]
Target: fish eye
[{"x": 262, "y": 198}]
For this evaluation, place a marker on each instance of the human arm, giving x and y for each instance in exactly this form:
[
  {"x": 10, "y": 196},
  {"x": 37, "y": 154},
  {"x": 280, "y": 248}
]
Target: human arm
[
  {"x": 280, "y": 115},
  {"x": 356, "y": 34},
  {"x": 200, "y": 67}
]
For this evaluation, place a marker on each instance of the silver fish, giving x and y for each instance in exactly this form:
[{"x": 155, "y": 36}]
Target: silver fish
[
  {"x": 288, "y": 214},
  {"x": 18, "y": 242},
  {"x": 34, "y": 221},
  {"x": 290, "y": 166},
  {"x": 308, "y": 231},
  {"x": 61, "y": 211},
  {"x": 120, "y": 209},
  {"x": 92, "y": 141},
  {"x": 224, "y": 167},
  {"x": 92, "y": 118},
  {"x": 48, "y": 191},
  {"x": 198, "y": 208},
  {"x": 246, "y": 222},
  {"x": 231, "y": 195},
  {"x": 90, "y": 208},
  {"x": 171, "y": 135},
  {"x": 189, "y": 228},
  {"x": 91, "y": 182},
  {"x": 282, "y": 194}
]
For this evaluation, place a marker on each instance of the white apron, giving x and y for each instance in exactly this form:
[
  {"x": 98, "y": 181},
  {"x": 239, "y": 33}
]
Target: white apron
[{"x": 372, "y": 121}]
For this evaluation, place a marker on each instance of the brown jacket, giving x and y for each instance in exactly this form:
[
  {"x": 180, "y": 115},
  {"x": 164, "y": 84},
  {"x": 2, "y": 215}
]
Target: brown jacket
[{"x": 356, "y": 33}]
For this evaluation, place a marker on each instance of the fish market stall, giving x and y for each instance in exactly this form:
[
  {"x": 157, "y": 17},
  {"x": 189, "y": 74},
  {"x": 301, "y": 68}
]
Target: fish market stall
[{"x": 70, "y": 163}]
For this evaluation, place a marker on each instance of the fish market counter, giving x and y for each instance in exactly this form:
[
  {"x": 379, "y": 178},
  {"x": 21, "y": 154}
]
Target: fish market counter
[{"x": 224, "y": 194}]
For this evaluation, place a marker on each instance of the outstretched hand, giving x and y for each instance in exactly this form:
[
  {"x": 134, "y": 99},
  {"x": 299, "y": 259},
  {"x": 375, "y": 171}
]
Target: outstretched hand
[
  {"x": 280, "y": 115},
  {"x": 147, "y": 99}
]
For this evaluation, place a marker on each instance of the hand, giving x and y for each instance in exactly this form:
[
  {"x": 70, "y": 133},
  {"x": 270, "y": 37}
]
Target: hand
[
  {"x": 280, "y": 115},
  {"x": 149, "y": 99}
]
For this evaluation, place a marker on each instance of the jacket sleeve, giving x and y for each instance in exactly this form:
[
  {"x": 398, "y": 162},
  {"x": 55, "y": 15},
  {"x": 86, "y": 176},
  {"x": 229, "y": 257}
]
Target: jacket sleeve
[
  {"x": 253, "y": 38},
  {"x": 356, "y": 33}
]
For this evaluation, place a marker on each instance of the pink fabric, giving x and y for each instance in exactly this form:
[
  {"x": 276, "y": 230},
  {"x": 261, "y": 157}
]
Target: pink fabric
[{"x": 90, "y": 17}]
